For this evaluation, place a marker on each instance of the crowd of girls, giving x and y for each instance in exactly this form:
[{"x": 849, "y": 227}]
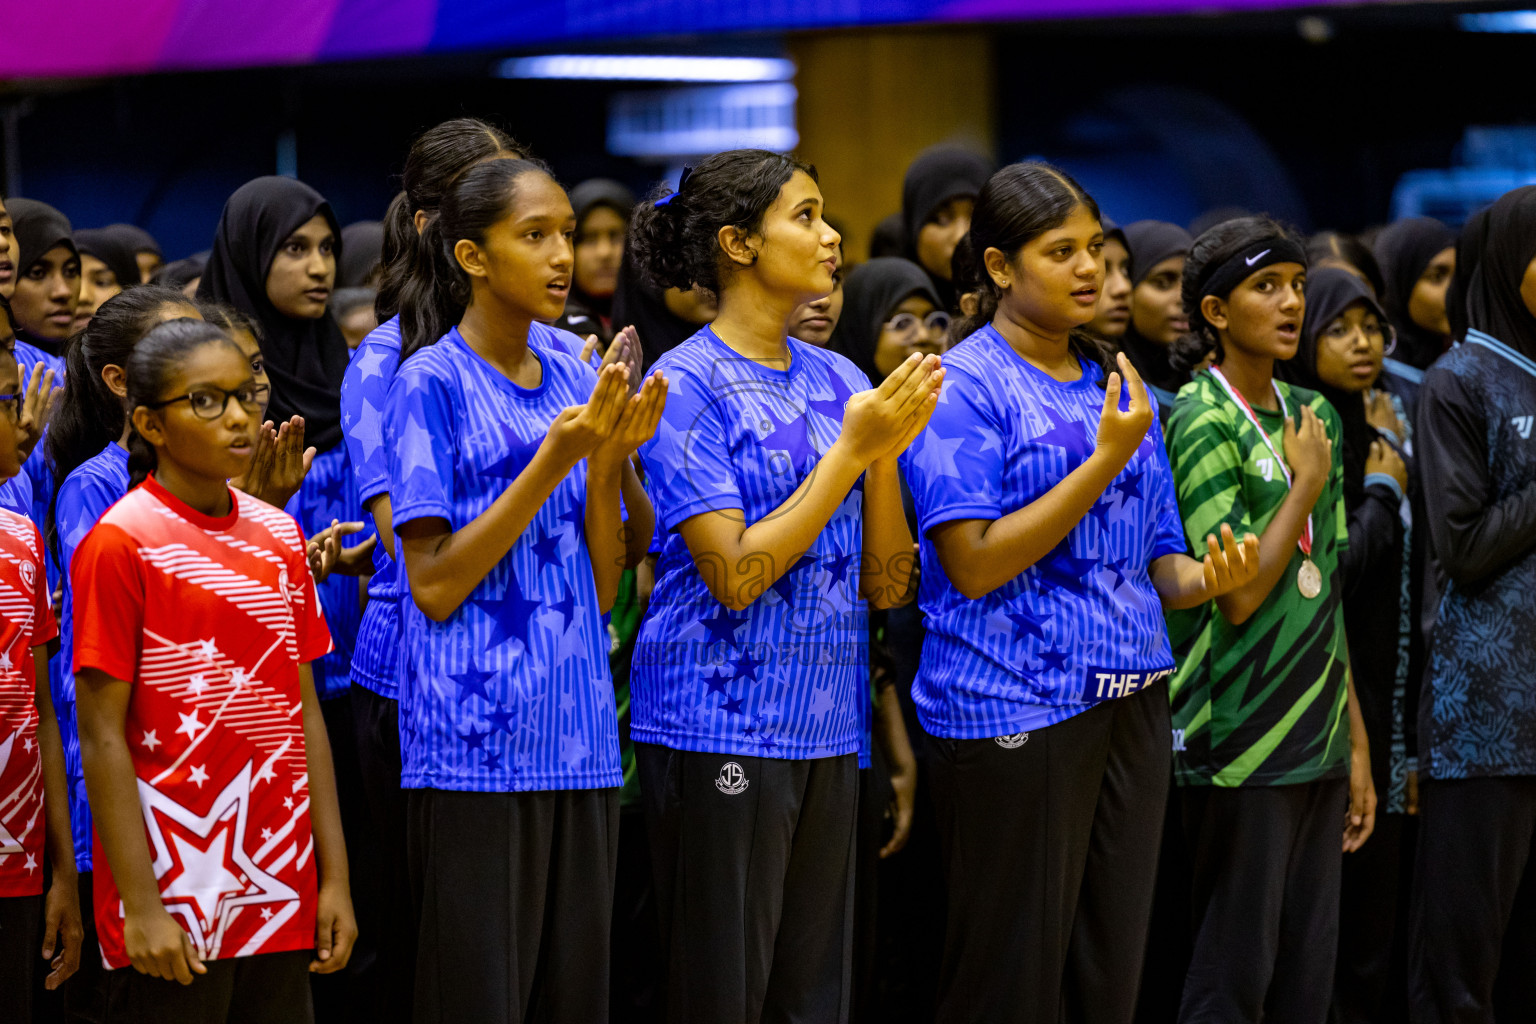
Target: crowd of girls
[{"x": 558, "y": 606}]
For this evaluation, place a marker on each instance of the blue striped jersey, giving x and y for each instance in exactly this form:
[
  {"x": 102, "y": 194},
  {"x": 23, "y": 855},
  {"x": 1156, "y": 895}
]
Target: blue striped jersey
[
  {"x": 1081, "y": 625},
  {"x": 38, "y": 472},
  {"x": 16, "y": 495},
  {"x": 784, "y": 677},
  {"x": 330, "y": 492},
  {"x": 84, "y": 497},
  {"x": 512, "y": 691},
  {"x": 364, "y": 396}
]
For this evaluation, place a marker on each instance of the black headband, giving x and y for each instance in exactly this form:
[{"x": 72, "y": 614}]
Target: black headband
[{"x": 1250, "y": 260}]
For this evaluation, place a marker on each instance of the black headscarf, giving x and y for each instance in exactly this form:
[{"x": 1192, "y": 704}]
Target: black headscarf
[
  {"x": 871, "y": 292},
  {"x": 1404, "y": 250},
  {"x": 586, "y": 197},
  {"x": 39, "y": 227},
  {"x": 1469, "y": 253},
  {"x": 1149, "y": 243},
  {"x": 363, "y": 243},
  {"x": 305, "y": 358},
  {"x": 113, "y": 250},
  {"x": 889, "y": 238},
  {"x": 141, "y": 240},
  {"x": 1494, "y": 303},
  {"x": 177, "y": 273},
  {"x": 1330, "y": 291},
  {"x": 939, "y": 174},
  {"x": 638, "y": 302}
]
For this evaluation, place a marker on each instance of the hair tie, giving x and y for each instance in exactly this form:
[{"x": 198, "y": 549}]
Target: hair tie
[{"x": 682, "y": 183}]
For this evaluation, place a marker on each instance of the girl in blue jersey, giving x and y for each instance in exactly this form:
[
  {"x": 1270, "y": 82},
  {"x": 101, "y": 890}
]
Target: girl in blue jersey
[
  {"x": 435, "y": 159},
  {"x": 508, "y": 460},
  {"x": 774, "y": 476},
  {"x": 1051, "y": 544}
]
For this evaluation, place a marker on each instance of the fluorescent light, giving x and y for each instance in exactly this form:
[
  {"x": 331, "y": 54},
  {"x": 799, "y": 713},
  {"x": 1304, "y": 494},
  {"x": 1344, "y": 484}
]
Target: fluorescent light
[
  {"x": 1499, "y": 21},
  {"x": 650, "y": 68}
]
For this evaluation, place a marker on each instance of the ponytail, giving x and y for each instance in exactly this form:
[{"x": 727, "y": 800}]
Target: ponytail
[{"x": 399, "y": 239}]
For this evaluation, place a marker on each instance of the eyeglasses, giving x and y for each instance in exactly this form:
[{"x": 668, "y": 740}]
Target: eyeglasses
[
  {"x": 209, "y": 402},
  {"x": 12, "y": 405},
  {"x": 908, "y": 324}
]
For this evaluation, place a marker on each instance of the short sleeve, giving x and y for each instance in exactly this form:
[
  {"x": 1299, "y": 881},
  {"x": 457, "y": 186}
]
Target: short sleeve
[
  {"x": 1168, "y": 529},
  {"x": 44, "y": 625},
  {"x": 688, "y": 465},
  {"x": 311, "y": 635},
  {"x": 422, "y": 432},
  {"x": 955, "y": 467},
  {"x": 1207, "y": 469},
  {"x": 108, "y": 589},
  {"x": 364, "y": 401}
]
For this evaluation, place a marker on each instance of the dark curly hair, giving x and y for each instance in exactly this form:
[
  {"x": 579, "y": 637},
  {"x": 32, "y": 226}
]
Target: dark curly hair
[
  {"x": 1214, "y": 247},
  {"x": 437, "y": 291},
  {"x": 675, "y": 244}
]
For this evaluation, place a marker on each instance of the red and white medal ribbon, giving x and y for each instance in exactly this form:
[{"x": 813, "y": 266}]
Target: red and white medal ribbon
[{"x": 1308, "y": 579}]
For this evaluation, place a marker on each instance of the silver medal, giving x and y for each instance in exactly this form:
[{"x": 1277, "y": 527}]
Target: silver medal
[{"x": 1308, "y": 579}]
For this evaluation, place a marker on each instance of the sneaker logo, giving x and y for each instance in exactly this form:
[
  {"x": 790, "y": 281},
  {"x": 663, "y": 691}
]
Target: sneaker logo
[
  {"x": 1251, "y": 260},
  {"x": 1014, "y": 741},
  {"x": 732, "y": 780},
  {"x": 1523, "y": 424}
]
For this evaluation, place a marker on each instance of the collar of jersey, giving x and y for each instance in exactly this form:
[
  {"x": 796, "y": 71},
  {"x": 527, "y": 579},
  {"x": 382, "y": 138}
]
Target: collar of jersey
[
  {"x": 1086, "y": 380},
  {"x": 502, "y": 380},
  {"x": 187, "y": 512},
  {"x": 796, "y": 358}
]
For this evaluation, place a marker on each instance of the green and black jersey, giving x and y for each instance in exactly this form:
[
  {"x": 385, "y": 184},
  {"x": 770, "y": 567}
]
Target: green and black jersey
[{"x": 1263, "y": 703}]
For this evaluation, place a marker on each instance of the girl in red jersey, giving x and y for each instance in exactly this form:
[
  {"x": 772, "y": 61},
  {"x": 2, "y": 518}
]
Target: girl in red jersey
[
  {"x": 34, "y": 809},
  {"x": 221, "y": 874}
]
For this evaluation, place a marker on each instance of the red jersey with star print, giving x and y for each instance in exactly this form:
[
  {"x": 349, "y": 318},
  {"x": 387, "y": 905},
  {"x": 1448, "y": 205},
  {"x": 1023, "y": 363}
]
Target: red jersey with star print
[
  {"x": 209, "y": 619},
  {"x": 25, "y": 622}
]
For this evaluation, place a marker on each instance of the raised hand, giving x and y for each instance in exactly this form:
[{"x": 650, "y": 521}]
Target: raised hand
[
  {"x": 579, "y": 429},
  {"x": 279, "y": 463},
  {"x": 1308, "y": 451},
  {"x": 882, "y": 421},
  {"x": 1383, "y": 458},
  {"x": 36, "y": 407},
  {"x": 1120, "y": 433},
  {"x": 637, "y": 422},
  {"x": 625, "y": 348},
  {"x": 1229, "y": 565}
]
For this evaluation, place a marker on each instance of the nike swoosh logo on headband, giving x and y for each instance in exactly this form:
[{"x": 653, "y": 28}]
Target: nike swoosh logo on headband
[{"x": 1254, "y": 259}]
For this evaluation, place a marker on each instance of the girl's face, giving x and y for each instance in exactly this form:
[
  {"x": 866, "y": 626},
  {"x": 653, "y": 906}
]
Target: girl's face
[
  {"x": 936, "y": 240},
  {"x": 149, "y": 264},
  {"x": 10, "y": 252},
  {"x": 1157, "y": 304},
  {"x": 1114, "y": 309},
  {"x": 1262, "y": 316},
  {"x": 1426, "y": 303},
  {"x": 251, "y": 349},
  {"x": 814, "y": 322},
  {"x": 216, "y": 448},
  {"x": 10, "y": 410},
  {"x": 1528, "y": 287},
  {"x": 526, "y": 261},
  {"x": 303, "y": 272},
  {"x": 47, "y": 293},
  {"x": 1350, "y": 349},
  {"x": 910, "y": 328},
  {"x": 97, "y": 285},
  {"x": 1053, "y": 281},
  {"x": 797, "y": 251},
  {"x": 599, "y": 247},
  {"x": 695, "y": 305}
]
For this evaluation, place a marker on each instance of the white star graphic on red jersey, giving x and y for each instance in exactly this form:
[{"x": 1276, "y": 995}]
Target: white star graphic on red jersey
[
  {"x": 26, "y": 744},
  {"x": 189, "y": 724},
  {"x": 8, "y": 842},
  {"x": 5, "y": 661},
  {"x": 199, "y": 775},
  {"x": 208, "y": 649},
  {"x": 31, "y": 864},
  {"x": 204, "y": 869},
  {"x": 197, "y": 684},
  {"x": 150, "y": 740}
]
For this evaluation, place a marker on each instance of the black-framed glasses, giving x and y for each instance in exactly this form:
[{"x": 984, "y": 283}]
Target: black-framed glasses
[
  {"x": 907, "y": 324},
  {"x": 12, "y": 405},
  {"x": 209, "y": 402}
]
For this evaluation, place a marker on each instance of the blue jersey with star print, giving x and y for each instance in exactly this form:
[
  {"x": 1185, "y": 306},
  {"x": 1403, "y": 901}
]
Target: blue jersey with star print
[
  {"x": 1081, "y": 625},
  {"x": 364, "y": 396},
  {"x": 512, "y": 691},
  {"x": 84, "y": 497},
  {"x": 784, "y": 677},
  {"x": 329, "y": 492}
]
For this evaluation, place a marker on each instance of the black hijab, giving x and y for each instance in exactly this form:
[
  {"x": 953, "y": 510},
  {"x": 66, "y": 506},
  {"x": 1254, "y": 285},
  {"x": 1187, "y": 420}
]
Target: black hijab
[
  {"x": 586, "y": 197},
  {"x": 39, "y": 227},
  {"x": 141, "y": 240},
  {"x": 939, "y": 174},
  {"x": 1149, "y": 243},
  {"x": 639, "y": 303},
  {"x": 113, "y": 250},
  {"x": 1404, "y": 250},
  {"x": 1469, "y": 253},
  {"x": 1330, "y": 291},
  {"x": 305, "y": 358},
  {"x": 1494, "y": 303},
  {"x": 362, "y": 242},
  {"x": 871, "y": 292},
  {"x": 179, "y": 273}
]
